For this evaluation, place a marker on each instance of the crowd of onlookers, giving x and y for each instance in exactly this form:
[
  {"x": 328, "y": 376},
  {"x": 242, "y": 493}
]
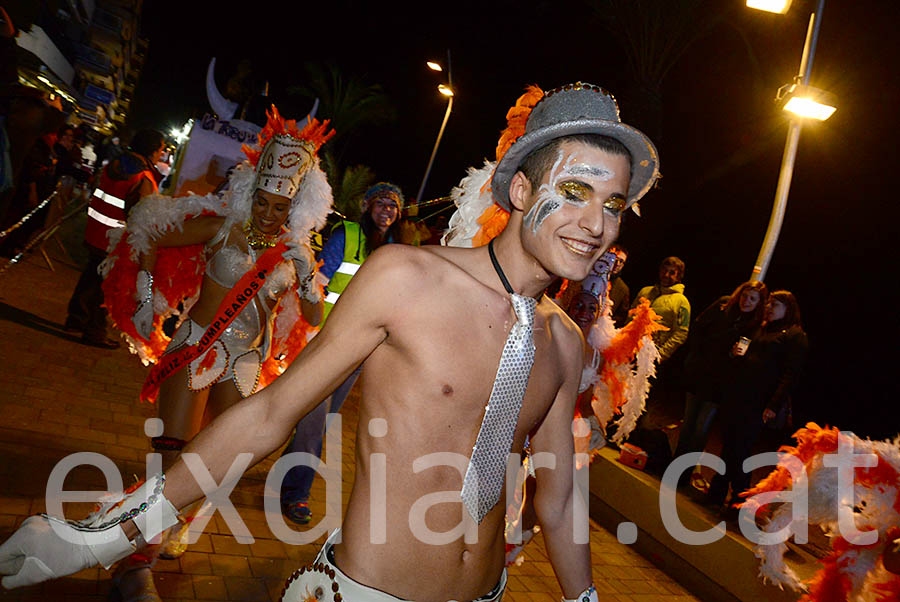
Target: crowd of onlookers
[
  {"x": 733, "y": 368},
  {"x": 55, "y": 160}
]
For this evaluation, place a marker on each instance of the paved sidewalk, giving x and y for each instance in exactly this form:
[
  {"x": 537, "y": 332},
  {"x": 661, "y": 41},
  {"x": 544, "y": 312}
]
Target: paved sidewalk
[{"x": 58, "y": 397}]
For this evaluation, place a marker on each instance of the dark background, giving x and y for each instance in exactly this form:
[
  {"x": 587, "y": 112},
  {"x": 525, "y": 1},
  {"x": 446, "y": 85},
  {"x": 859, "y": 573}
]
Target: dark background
[{"x": 720, "y": 137}]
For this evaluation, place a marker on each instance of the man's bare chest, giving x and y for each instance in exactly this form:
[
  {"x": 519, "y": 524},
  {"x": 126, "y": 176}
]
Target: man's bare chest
[{"x": 448, "y": 362}]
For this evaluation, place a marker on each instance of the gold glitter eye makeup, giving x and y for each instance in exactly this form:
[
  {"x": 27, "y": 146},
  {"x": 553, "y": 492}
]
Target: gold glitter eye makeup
[
  {"x": 615, "y": 203},
  {"x": 573, "y": 191}
]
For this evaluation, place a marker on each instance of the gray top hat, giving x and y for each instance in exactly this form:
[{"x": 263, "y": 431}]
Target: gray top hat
[{"x": 578, "y": 108}]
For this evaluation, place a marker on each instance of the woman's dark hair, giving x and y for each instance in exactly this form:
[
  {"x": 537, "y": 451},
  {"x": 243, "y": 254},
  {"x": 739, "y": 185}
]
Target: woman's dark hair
[
  {"x": 374, "y": 238},
  {"x": 146, "y": 142},
  {"x": 733, "y": 305},
  {"x": 791, "y": 309}
]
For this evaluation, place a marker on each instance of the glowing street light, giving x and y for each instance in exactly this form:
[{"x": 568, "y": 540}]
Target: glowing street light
[
  {"x": 802, "y": 101},
  {"x": 181, "y": 134},
  {"x": 806, "y": 101},
  {"x": 772, "y": 6},
  {"x": 446, "y": 90}
]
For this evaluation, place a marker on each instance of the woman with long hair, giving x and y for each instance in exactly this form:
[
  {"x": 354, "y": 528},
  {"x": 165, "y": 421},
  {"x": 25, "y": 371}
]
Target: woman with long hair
[
  {"x": 710, "y": 360},
  {"x": 760, "y": 391}
]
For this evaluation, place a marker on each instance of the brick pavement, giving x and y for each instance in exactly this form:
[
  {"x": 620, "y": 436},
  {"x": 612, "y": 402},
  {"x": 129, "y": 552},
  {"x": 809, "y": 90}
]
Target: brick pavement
[{"x": 58, "y": 397}]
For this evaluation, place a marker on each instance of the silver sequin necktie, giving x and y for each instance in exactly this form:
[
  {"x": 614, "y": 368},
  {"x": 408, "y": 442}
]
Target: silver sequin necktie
[{"x": 486, "y": 472}]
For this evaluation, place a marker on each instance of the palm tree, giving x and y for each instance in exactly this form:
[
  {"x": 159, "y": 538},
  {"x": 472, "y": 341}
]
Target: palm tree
[
  {"x": 348, "y": 185},
  {"x": 348, "y": 101},
  {"x": 351, "y": 104}
]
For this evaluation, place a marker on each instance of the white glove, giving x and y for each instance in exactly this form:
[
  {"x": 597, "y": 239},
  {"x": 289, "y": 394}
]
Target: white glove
[
  {"x": 302, "y": 256},
  {"x": 45, "y": 547},
  {"x": 36, "y": 552},
  {"x": 143, "y": 315},
  {"x": 305, "y": 265}
]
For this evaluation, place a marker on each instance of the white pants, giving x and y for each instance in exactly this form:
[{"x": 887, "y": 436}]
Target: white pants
[{"x": 324, "y": 582}]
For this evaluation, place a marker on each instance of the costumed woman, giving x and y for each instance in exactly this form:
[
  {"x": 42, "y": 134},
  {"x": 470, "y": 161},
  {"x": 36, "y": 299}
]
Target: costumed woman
[
  {"x": 708, "y": 368},
  {"x": 242, "y": 266},
  {"x": 346, "y": 249},
  {"x": 760, "y": 392}
]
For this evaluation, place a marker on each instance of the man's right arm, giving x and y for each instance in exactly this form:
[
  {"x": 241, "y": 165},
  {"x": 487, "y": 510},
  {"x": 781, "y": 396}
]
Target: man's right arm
[
  {"x": 262, "y": 422},
  {"x": 256, "y": 425}
]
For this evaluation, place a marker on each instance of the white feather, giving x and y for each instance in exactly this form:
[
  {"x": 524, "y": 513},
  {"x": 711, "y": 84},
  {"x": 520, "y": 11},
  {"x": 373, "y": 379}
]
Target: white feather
[
  {"x": 772, "y": 567},
  {"x": 472, "y": 198},
  {"x": 312, "y": 203},
  {"x": 873, "y": 507},
  {"x": 637, "y": 388}
]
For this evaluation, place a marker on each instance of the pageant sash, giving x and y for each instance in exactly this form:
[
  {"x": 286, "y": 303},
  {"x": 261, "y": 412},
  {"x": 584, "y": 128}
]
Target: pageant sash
[{"x": 242, "y": 294}]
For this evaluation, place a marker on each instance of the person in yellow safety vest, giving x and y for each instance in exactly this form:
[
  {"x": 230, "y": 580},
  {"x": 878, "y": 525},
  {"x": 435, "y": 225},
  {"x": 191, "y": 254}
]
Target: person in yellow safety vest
[
  {"x": 347, "y": 248},
  {"x": 351, "y": 242},
  {"x": 122, "y": 184}
]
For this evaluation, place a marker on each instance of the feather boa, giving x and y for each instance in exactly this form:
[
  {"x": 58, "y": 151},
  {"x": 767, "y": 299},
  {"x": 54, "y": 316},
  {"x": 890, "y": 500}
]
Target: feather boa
[
  {"x": 290, "y": 334},
  {"x": 475, "y": 210},
  {"x": 517, "y": 118},
  {"x": 630, "y": 359},
  {"x": 850, "y": 572},
  {"x": 478, "y": 219},
  {"x": 178, "y": 273}
]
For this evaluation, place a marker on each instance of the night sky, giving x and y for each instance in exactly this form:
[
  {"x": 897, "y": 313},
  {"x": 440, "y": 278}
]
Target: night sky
[{"x": 719, "y": 134}]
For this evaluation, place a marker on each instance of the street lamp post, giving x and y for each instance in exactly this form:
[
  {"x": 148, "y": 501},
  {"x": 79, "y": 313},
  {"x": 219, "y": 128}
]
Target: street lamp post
[
  {"x": 790, "y": 152},
  {"x": 446, "y": 90}
]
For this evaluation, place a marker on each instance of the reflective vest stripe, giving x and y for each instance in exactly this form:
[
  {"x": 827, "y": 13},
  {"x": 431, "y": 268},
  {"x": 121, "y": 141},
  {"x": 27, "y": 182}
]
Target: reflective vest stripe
[
  {"x": 354, "y": 255},
  {"x": 348, "y": 268},
  {"x": 112, "y": 200},
  {"x": 107, "y": 208},
  {"x": 106, "y": 221}
]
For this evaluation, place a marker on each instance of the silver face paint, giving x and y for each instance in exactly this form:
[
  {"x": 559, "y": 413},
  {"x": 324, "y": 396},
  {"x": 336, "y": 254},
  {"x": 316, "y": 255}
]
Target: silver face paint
[
  {"x": 548, "y": 202},
  {"x": 552, "y": 195},
  {"x": 601, "y": 173}
]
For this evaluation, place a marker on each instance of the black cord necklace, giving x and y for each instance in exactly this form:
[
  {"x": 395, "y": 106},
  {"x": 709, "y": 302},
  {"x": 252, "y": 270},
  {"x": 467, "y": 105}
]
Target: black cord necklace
[{"x": 498, "y": 269}]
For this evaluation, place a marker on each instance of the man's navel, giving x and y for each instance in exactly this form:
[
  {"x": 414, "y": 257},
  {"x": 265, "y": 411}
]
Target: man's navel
[{"x": 447, "y": 390}]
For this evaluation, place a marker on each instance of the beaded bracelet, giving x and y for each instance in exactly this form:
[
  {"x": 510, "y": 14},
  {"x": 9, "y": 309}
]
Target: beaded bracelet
[{"x": 128, "y": 514}]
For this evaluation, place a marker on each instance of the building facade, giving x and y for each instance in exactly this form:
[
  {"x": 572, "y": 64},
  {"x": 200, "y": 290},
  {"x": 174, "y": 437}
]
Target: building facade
[{"x": 87, "y": 51}]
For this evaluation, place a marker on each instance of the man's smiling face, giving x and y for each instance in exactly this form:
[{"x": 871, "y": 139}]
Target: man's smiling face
[{"x": 573, "y": 216}]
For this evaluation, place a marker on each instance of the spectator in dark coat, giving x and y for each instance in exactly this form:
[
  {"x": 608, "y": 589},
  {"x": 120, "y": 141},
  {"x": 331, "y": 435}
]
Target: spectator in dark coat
[
  {"x": 760, "y": 392},
  {"x": 709, "y": 365}
]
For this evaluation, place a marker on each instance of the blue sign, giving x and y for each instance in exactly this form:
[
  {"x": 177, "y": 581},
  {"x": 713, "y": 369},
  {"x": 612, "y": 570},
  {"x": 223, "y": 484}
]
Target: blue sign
[{"x": 99, "y": 94}]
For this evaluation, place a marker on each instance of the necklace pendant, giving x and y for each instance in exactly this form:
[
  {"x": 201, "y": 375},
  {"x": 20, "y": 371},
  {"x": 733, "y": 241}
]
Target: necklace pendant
[{"x": 256, "y": 239}]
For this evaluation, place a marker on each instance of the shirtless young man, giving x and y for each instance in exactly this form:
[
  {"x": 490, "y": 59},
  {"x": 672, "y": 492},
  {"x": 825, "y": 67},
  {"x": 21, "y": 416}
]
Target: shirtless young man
[{"x": 427, "y": 376}]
